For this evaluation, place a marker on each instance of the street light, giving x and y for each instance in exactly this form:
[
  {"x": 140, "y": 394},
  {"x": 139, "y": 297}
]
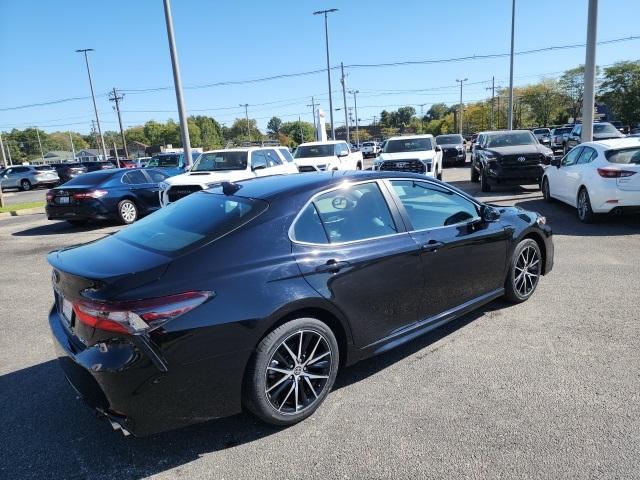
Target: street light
[
  {"x": 246, "y": 115},
  {"x": 326, "y": 37},
  {"x": 93, "y": 96},
  {"x": 590, "y": 73},
  {"x": 513, "y": 25},
  {"x": 355, "y": 103},
  {"x": 460, "y": 114}
]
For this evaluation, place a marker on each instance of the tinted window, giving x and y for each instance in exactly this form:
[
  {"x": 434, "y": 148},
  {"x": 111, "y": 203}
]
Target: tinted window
[
  {"x": 628, "y": 155},
  {"x": 135, "y": 177},
  {"x": 156, "y": 176},
  {"x": 408, "y": 145},
  {"x": 430, "y": 206},
  {"x": 310, "y": 151},
  {"x": 587, "y": 155},
  {"x": 510, "y": 139},
  {"x": 605, "y": 128},
  {"x": 572, "y": 157},
  {"x": 286, "y": 154},
  {"x": 354, "y": 213},
  {"x": 308, "y": 227},
  {"x": 273, "y": 160},
  {"x": 194, "y": 220},
  {"x": 90, "y": 179},
  {"x": 216, "y": 161},
  {"x": 164, "y": 161},
  {"x": 43, "y": 168},
  {"x": 448, "y": 139}
]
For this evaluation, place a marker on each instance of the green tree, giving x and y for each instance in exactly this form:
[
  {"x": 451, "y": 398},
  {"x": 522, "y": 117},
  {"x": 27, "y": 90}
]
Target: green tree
[
  {"x": 210, "y": 132},
  {"x": 154, "y": 132},
  {"x": 544, "y": 99},
  {"x": 572, "y": 87},
  {"x": 136, "y": 134},
  {"x": 298, "y": 131},
  {"x": 238, "y": 131},
  {"x": 437, "y": 111},
  {"x": 620, "y": 91},
  {"x": 273, "y": 127}
]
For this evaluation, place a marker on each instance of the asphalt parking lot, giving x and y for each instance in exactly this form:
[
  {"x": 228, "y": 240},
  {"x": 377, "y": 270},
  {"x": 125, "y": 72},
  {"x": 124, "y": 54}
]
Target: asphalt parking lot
[{"x": 545, "y": 389}]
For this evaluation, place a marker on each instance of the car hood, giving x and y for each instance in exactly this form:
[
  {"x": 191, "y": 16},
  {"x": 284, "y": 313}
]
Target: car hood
[
  {"x": 304, "y": 162},
  {"x": 205, "y": 178},
  {"x": 517, "y": 149},
  {"x": 424, "y": 155}
]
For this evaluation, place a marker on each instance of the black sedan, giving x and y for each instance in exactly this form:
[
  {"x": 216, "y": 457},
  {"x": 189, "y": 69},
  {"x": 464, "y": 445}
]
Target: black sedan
[
  {"x": 255, "y": 293},
  {"x": 120, "y": 194}
]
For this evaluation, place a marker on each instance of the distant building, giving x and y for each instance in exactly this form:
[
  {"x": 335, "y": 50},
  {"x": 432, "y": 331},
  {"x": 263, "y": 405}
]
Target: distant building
[
  {"x": 57, "y": 156},
  {"x": 137, "y": 149},
  {"x": 90, "y": 155}
]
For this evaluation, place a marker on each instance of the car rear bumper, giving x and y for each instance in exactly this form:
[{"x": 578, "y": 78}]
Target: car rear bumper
[
  {"x": 611, "y": 198},
  {"x": 121, "y": 382},
  {"x": 93, "y": 210}
]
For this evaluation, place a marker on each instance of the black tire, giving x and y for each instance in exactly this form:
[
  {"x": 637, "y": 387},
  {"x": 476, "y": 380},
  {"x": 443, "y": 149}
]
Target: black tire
[
  {"x": 25, "y": 185},
  {"x": 359, "y": 166},
  {"x": 484, "y": 182},
  {"x": 77, "y": 223},
  {"x": 585, "y": 213},
  {"x": 475, "y": 176},
  {"x": 519, "y": 286},
  {"x": 127, "y": 211},
  {"x": 439, "y": 174},
  {"x": 260, "y": 379},
  {"x": 546, "y": 191}
]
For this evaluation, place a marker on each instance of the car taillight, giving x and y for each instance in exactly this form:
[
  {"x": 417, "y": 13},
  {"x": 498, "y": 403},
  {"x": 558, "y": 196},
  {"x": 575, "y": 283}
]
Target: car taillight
[
  {"x": 614, "y": 173},
  {"x": 91, "y": 194},
  {"x": 50, "y": 196},
  {"x": 139, "y": 315}
]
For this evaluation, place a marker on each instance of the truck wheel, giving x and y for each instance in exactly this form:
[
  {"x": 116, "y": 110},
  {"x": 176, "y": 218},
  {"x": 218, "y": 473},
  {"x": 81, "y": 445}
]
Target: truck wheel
[
  {"x": 475, "y": 177},
  {"x": 484, "y": 182}
]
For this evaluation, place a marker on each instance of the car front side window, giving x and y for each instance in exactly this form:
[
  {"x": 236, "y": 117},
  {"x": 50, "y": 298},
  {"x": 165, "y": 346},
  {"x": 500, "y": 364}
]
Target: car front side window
[
  {"x": 572, "y": 157},
  {"x": 431, "y": 206}
]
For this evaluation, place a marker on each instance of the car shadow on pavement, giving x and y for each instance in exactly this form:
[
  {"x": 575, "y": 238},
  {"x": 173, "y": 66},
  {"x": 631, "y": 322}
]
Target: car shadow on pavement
[
  {"x": 63, "y": 228},
  {"x": 564, "y": 220},
  {"x": 48, "y": 432}
]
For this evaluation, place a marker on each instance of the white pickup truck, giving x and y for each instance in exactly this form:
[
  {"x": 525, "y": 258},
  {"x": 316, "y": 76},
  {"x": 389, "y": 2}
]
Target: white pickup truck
[{"x": 330, "y": 155}]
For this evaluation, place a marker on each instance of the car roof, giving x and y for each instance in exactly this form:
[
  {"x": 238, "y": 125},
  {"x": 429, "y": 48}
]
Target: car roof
[
  {"x": 328, "y": 142},
  {"x": 625, "y": 142},
  {"x": 274, "y": 186},
  {"x": 409, "y": 137}
]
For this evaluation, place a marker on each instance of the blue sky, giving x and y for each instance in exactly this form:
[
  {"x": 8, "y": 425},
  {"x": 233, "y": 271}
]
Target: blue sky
[{"x": 227, "y": 41}]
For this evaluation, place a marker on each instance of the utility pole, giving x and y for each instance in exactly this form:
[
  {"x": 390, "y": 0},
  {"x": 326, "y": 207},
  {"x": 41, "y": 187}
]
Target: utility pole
[
  {"x": 498, "y": 122},
  {"x": 590, "y": 73},
  {"x": 326, "y": 37},
  {"x": 355, "y": 104},
  {"x": 40, "y": 143},
  {"x": 246, "y": 115},
  {"x": 93, "y": 96},
  {"x": 513, "y": 24},
  {"x": 313, "y": 114},
  {"x": 344, "y": 98},
  {"x": 115, "y": 150},
  {"x": 493, "y": 93},
  {"x": 4, "y": 162},
  {"x": 177, "y": 82},
  {"x": 301, "y": 131},
  {"x": 73, "y": 149},
  {"x": 460, "y": 115},
  {"x": 115, "y": 98},
  {"x": 9, "y": 153}
]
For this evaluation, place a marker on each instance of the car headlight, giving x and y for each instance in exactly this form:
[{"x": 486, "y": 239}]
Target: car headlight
[
  {"x": 490, "y": 156},
  {"x": 541, "y": 220}
]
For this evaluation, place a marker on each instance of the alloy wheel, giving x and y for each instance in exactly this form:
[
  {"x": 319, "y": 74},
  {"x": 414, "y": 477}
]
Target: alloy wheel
[
  {"x": 298, "y": 372},
  {"x": 583, "y": 205},
  {"x": 128, "y": 212},
  {"x": 26, "y": 185},
  {"x": 527, "y": 271}
]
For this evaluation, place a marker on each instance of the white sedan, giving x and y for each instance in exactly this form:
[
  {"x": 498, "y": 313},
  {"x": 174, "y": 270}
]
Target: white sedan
[{"x": 597, "y": 177}]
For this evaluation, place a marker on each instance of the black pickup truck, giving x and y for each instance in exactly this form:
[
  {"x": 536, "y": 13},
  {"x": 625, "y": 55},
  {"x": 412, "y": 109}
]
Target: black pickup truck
[{"x": 509, "y": 157}]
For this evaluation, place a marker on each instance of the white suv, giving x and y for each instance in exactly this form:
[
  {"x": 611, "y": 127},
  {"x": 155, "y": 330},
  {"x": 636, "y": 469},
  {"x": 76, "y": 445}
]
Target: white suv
[
  {"x": 329, "y": 155},
  {"x": 369, "y": 149},
  {"x": 411, "y": 153},
  {"x": 231, "y": 164}
]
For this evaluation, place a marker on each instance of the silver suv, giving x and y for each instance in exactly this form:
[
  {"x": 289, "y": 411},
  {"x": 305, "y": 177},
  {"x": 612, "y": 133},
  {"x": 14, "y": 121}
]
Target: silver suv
[{"x": 27, "y": 177}]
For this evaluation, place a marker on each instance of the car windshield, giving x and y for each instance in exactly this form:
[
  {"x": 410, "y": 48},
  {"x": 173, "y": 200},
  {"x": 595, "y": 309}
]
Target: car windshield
[
  {"x": 217, "y": 161},
  {"x": 368, "y": 144},
  {"x": 625, "y": 156},
  {"x": 408, "y": 145},
  {"x": 89, "y": 179},
  {"x": 541, "y": 131},
  {"x": 560, "y": 131},
  {"x": 604, "y": 128},
  {"x": 510, "y": 139},
  {"x": 193, "y": 221},
  {"x": 310, "y": 151},
  {"x": 164, "y": 161},
  {"x": 286, "y": 154},
  {"x": 448, "y": 139}
]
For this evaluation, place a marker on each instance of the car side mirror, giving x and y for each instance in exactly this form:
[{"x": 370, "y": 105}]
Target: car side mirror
[
  {"x": 438, "y": 148},
  {"x": 489, "y": 213},
  {"x": 555, "y": 162}
]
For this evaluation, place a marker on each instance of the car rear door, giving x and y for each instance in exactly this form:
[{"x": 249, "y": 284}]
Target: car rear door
[
  {"x": 351, "y": 247},
  {"x": 140, "y": 186},
  {"x": 463, "y": 256}
]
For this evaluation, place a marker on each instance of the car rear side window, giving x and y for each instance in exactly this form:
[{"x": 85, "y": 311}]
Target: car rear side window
[
  {"x": 89, "y": 179},
  {"x": 431, "y": 206},
  {"x": 197, "y": 219},
  {"x": 357, "y": 212},
  {"x": 588, "y": 155},
  {"x": 156, "y": 176}
]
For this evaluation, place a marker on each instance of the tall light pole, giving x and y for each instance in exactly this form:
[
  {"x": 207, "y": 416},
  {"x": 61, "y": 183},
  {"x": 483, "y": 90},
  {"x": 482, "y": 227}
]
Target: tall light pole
[
  {"x": 93, "y": 96},
  {"x": 513, "y": 26},
  {"x": 40, "y": 143},
  {"x": 4, "y": 163},
  {"x": 73, "y": 149},
  {"x": 355, "y": 104},
  {"x": 460, "y": 114},
  {"x": 588, "y": 100},
  {"x": 313, "y": 113},
  {"x": 326, "y": 37},
  {"x": 246, "y": 116},
  {"x": 344, "y": 99},
  {"x": 177, "y": 82}
]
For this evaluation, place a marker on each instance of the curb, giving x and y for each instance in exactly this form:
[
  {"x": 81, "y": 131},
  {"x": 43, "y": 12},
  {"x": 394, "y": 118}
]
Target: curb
[{"x": 24, "y": 211}]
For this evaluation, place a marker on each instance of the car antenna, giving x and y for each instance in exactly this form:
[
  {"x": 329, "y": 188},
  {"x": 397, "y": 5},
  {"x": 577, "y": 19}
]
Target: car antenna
[{"x": 229, "y": 188}]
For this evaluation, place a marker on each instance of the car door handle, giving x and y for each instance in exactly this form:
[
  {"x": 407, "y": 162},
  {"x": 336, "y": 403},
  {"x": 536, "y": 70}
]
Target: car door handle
[
  {"x": 431, "y": 246},
  {"x": 332, "y": 266}
]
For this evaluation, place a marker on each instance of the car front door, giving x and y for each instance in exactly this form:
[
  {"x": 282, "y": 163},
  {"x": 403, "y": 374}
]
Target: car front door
[
  {"x": 8, "y": 178},
  {"x": 137, "y": 183},
  {"x": 275, "y": 164},
  {"x": 464, "y": 257},
  {"x": 352, "y": 250},
  {"x": 560, "y": 185}
]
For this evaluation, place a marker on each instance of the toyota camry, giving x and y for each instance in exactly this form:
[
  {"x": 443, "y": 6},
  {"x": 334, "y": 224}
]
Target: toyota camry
[{"x": 254, "y": 294}]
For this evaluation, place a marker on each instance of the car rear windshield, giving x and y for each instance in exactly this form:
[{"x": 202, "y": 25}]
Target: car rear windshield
[
  {"x": 541, "y": 130},
  {"x": 560, "y": 131},
  {"x": 625, "y": 156},
  {"x": 510, "y": 139},
  {"x": 164, "y": 161},
  {"x": 408, "y": 145},
  {"x": 311, "y": 151},
  {"x": 448, "y": 139},
  {"x": 193, "y": 221},
  {"x": 90, "y": 179},
  {"x": 368, "y": 144},
  {"x": 604, "y": 128},
  {"x": 216, "y": 161}
]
